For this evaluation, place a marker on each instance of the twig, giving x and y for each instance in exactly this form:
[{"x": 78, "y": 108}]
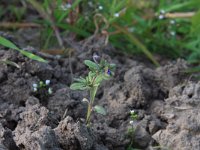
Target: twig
[
  {"x": 180, "y": 15},
  {"x": 19, "y": 25},
  {"x": 100, "y": 18}
]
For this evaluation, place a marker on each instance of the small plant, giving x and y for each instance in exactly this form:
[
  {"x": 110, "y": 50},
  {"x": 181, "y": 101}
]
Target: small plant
[
  {"x": 42, "y": 91},
  {"x": 99, "y": 71},
  {"x": 131, "y": 130}
]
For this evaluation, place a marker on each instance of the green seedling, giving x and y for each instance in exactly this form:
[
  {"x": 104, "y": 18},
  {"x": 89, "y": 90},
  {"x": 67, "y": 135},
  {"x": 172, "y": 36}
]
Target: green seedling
[
  {"x": 42, "y": 91},
  {"x": 131, "y": 129},
  {"x": 98, "y": 72}
]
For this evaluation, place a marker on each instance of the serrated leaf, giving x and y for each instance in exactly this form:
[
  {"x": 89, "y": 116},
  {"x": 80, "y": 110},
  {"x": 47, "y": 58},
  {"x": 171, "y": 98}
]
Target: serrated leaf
[
  {"x": 77, "y": 86},
  {"x": 100, "y": 110},
  {"x": 9, "y": 44},
  {"x": 91, "y": 64}
]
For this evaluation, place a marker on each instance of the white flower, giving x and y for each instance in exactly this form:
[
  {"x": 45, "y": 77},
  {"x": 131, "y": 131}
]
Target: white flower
[
  {"x": 132, "y": 111},
  {"x": 173, "y": 33},
  {"x": 162, "y": 11},
  {"x": 68, "y": 6},
  {"x": 34, "y": 89},
  {"x": 47, "y": 82},
  {"x": 116, "y": 15},
  {"x": 132, "y": 29},
  {"x": 172, "y": 22},
  {"x": 161, "y": 17},
  {"x": 131, "y": 122},
  {"x": 35, "y": 85},
  {"x": 100, "y": 7},
  {"x": 62, "y": 7},
  {"x": 65, "y": 7},
  {"x": 50, "y": 91}
]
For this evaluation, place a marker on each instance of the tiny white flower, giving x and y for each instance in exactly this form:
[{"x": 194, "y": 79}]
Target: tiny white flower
[
  {"x": 116, "y": 15},
  {"x": 62, "y": 7},
  {"x": 65, "y": 7},
  {"x": 173, "y": 33},
  {"x": 161, "y": 17},
  {"x": 132, "y": 111},
  {"x": 162, "y": 11},
  {"x": 68, "y": 6},
  {"x": 172, "y": 22},
  {"x": 34, "y": 89},
  {"x": 131, "y": 122},
  {"x": 35, "y": 85},
  {"x": 47, "y": 82},
  {"x": 50, "y": 91},
  {"x": 132, "y": 29},
  {"x": 100, "y": 7}
]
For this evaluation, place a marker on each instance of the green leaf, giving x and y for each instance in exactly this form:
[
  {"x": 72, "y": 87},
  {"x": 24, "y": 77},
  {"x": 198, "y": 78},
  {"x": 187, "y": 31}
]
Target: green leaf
[
  {"x": 91, "y": 64},
  {"x": 106, "y": 77},
  {"x": 112, "y": 66},
  {"x": 78, "y": 86},
  {"x": 100, "y": 110},
  {"x": 32, "y": 56},
  {"x": 93, "y": 92},
  {"x": 81, "y": 79},
  {"x": 11, "y": 45},
  {"x": 99, "y": 79},
  {"x": 195, "y": 28},
  {"x": 7, "y": 43}
]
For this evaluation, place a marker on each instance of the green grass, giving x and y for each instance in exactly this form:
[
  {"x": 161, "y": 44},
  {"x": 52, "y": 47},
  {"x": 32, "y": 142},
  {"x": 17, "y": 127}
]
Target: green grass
[{"x": 133, "y": 27}]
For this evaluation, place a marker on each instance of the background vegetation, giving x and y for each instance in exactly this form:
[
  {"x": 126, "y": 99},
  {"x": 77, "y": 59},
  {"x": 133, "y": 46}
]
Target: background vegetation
[{"x": 148, "y": 27}]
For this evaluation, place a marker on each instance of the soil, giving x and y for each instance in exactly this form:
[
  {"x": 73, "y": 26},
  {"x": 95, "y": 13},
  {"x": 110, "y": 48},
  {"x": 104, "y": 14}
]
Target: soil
[{"x": 166, "y": 101}]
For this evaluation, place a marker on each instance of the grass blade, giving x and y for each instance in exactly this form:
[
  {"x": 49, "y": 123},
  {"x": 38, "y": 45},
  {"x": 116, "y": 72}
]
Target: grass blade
[
  {"x": 135, "y": 41},
  {"x": 9, "y": 44}
]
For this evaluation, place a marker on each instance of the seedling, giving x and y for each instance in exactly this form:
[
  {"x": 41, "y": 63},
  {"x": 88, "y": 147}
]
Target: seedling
[
  {"x": 131, "y": 130},
  {"x": 42, "y": 90},
  {"x": 99, "y": 71}
]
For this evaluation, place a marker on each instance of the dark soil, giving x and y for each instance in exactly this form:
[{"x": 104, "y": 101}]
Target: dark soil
[{"x": 167, "y": 105}]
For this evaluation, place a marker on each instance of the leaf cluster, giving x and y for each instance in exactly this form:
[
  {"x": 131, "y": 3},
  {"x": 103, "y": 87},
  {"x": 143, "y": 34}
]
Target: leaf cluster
[{"x": 98, "y": 72}]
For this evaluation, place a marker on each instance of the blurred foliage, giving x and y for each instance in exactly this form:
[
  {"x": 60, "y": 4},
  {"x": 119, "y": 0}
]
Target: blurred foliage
[{"x": 135, "y": 27}]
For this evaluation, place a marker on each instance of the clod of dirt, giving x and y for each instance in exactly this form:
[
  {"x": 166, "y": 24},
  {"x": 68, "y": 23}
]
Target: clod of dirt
[
  {"x": 43, "y": 70},
  {"x": 32, "y": 129},
  {"x": 67, "y": 102},
  {"x": 42, "y": 139},
  {"x": 75, "y": 136},
  {"x": 112, "y": 137},
  {"x": 6, "y": 139},
  {"x": 141, "y": 137},
  {"x": 182, "y": 112}
]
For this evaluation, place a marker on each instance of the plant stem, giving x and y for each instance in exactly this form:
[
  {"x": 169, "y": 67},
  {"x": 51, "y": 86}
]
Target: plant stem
[{"x": 93, "y": 92}]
